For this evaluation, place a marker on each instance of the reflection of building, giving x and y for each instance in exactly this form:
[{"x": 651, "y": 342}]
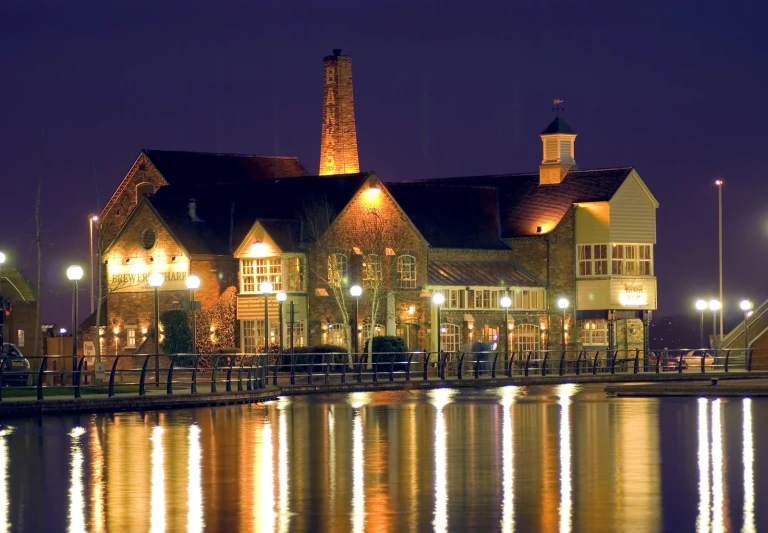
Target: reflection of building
[{"x": 237, "y": 221}]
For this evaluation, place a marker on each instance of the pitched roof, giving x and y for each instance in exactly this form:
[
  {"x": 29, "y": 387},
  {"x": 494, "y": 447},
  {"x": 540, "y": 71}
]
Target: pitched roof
[
  {"x": 15, "y": 286},
  {"x": 451, "y": 216},
  {"x": 479, "y": 273},
  {"x": 558, "y": 126},
  {"x": 524, "y": 204},
  {"x": 226, "y": 213},
  {"x": 199, "y": 168}
]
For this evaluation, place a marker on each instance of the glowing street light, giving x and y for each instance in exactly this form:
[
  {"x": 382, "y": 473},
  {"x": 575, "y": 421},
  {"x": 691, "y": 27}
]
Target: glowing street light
[
  {"x": 74, "y": 274},
  {"x": 356, "y": 291},
  {"x": 505, "y": 302},
  {"x": 701, "y": 306},
  {"x": 92, "y": 219},
  {"x": 719, "y": 184},
  {"x": 156, "y": 280},
  {"x": 746, "y": 306},
  {"x": 438, "y": 299}
]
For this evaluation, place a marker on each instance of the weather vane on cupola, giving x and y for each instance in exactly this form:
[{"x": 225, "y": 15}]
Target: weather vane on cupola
[{"x": 557, "y": 106}]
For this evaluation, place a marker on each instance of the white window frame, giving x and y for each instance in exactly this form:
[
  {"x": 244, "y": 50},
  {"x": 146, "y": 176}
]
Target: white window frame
[
  {"x": 289, "y": 277},
  {"x": 489, "y": 298},
  {"x": 406, "y": 269},
  {"x": 594, "y": 332},
  {"x": 588, "y": 264},
  {"x": 527, "y": 338},
  {"x": 629, "y": 264},
  {"x": 130, "y": 337},
  {"x": 338, "y": 265},
  {"x": 255, "y": 270},
  {"x": 248, "y": 336},
  {"x": 371, "y": 269},
  {"x": 336, "y": 333},
  {"x": 379, "y": 331},
  {"x": 450, "y": 337},
  {"x": 299, "y": 333}
]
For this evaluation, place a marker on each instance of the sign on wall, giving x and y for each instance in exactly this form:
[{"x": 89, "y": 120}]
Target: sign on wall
[
  {"x": 130, "y": 278},
  {"x": 633, "y": 295}
]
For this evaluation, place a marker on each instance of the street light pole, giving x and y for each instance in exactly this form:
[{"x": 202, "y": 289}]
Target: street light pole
[
  {"x": 506, "y": 302},
  {"x": 438, "y": 299},
  {"x": 281, "y": 298},
  {"x": 156, "y": 280},
  {"x": 193, "y": 283},
  {"x": 266, "y": 287},
  {"x": 91, "y": 220},
  {"x": 355, "y": 291},
  {"x": 719, "y": 184},
  {"x": 563, "y": 304},
  {"x": 746, "y": 306},
  {"x": 75, "y": 274},
  {"x": 714, "y": 306},
  {"x": 2, "y": 312}
]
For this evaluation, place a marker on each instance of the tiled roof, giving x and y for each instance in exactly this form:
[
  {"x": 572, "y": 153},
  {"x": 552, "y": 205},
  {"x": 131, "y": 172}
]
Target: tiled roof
[
  {"x": 199, "y": 168},
  {"x": 15, "y": 286},
  {"x": 525, "y": 205},
  {"x": 479, "y": 273},
  {"x": 558, "y": 125},
  {"x": 451, "y": 216},
  {"x": 227, "y": 212}
]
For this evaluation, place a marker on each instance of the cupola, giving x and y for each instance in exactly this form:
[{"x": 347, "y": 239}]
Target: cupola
[{"x": 557, "y": 141}]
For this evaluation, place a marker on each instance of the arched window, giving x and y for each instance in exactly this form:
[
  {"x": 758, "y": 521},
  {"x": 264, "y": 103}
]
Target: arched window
[
  {"x": 143, "y": 189},
  {"x": 450, "y": 337},
  {"x": 378, "y": 331},
  {"x": 336, "y": 335},
  {"x": 406, "y": 270},
  {"x": 337, "y": 269},
  {"x": 527, "y": 338},
  {"x": 371, "y": 269}
]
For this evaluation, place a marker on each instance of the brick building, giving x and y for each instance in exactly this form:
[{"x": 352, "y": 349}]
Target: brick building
[
  {"x": 19, "y": 317},
  {"x": 238, "y": 221}
]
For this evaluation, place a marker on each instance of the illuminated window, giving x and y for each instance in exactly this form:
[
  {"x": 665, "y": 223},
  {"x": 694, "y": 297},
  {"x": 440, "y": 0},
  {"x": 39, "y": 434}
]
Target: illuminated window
[
  {"x": 337, "y": 269},
  {"x": 254, "y": 271},
  {"x": 298, "y": 333},
  {"x": 130, "y": 341},
  {"x": 528, "y": 299},
  {"x": 371, "y": 269},
  {"x": 450, "y": 337},
  {"x": 406, "y": 269},
  {"x": 632, "y": 260},
  {"x": 294, "y": 274},
  {"x": 481, "y": 298},
  {"x": 336, "y": 335},
  {"x": 248, "y": 334},
  {"x": 646, "y": 261},
  {"x": 526, "y": 338},
  {"x": 378, "y": 331},
  {"x": 592, "y": 260},
  {"x": 320, "y": 291},
  {"x": 594, "y": 332}
]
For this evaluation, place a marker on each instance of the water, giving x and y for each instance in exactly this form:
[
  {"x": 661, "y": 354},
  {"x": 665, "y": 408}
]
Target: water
[{"x": 557, "y": 459}]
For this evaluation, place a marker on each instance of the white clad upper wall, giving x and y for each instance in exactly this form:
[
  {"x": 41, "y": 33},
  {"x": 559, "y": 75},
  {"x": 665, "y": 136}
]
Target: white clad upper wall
[{"x": 633, "y": 212}]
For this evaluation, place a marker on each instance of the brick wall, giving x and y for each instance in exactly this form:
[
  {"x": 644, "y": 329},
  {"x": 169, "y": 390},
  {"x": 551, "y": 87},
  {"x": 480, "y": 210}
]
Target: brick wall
[{"x": 338, "y": 142}]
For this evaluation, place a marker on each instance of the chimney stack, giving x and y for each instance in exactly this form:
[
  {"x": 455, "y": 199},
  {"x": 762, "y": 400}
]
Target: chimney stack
[{"x": 338, "y": 142}]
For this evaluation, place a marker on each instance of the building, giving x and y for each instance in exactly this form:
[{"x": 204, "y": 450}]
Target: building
[
  {"x": 19, "y": 309},
  {"x": 238, "y": 221}
]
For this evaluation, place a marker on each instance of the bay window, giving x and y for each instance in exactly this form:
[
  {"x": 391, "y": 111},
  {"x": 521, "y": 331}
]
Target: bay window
[
  {"x": 255, "y": 271},
  {"x": 294, "y": 274},
  {"x": 625, "y": 260}
]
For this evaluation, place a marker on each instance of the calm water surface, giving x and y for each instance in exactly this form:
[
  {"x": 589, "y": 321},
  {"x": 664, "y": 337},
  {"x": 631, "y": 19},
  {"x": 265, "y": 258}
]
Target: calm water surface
[{"x": 558, "y": 459}]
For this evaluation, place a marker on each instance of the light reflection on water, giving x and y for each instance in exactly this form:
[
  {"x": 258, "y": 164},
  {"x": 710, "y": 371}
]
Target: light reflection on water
[{"x": 512, "y": 459}]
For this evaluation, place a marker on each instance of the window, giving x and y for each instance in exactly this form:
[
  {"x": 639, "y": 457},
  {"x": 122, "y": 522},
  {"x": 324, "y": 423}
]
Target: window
[
  {"x": 371, "y": 269},
  {"x": 337, "y": 269},
  {"x": 454, "y": 298},
  {"x": 593, "y": 260},
  {"x": 147, "y": 238},
  {"x": 298, "y": 334},
  {"x": 248, "y": 332},
  {"x": 450, "y": 337},
  {"x": 252, "y": 334},
  {"x": 20, "y": 338},
  {"x": 526, "y": 299},
  {"x": 481, "y": 298},
  {"x": 594, "y": 332},
  {"x": 255, "y": 271},
  {"x": 632, "y": 260},
  {"x": 336, "y": 335},
  {"x": 294, "y": 274},
  {"x": 130, "y": 341},
  {"x": 378, "y": 331},
  {"x": 526, "y": 338},
  {"x": 406, "y": 269}
]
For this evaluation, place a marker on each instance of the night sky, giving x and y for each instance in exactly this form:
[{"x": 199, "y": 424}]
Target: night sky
[{"x": 441, "y": 88}]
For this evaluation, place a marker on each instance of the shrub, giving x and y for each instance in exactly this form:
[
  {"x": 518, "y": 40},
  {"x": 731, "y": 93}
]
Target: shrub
[{"x": 177, "y": 335}]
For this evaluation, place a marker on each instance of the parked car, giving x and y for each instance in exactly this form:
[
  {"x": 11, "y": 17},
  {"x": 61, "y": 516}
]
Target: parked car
[
  {"x": 15, "y": 365},
  {"x": 693, "y": 360},
  {"x": 668, "y": 363}
]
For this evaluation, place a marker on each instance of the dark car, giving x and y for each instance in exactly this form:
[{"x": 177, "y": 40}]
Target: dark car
[{"x": 15, "y": 365}]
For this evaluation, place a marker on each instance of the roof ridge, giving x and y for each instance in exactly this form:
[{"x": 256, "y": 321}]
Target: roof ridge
[{"x": 222, "y": 154}]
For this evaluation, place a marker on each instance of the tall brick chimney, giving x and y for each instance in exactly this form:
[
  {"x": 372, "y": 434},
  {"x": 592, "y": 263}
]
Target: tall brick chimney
[{"x": 338, "y": 142}]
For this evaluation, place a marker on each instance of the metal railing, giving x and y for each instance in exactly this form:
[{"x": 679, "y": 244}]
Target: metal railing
[
  {"x": 128, "y": 374},
  {"x": 226, "y": 372}
]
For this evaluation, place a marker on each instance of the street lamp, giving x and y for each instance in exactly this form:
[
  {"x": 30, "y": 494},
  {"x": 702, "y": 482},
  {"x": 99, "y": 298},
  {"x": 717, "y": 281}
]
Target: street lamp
[
  {"x": 193, "y": 283},
  {"x": 714, "y": 306},
  {"x": 265, "y": 287},
  {"x": 506, "y": 302},
  {"x": 701, "y": 306},
  {"x": 356, "y": 291},
  {"x": 2, "y": 314},
  {"x": 92, "y": 219},
  {"x": 746, "y": 306},
  {"x": 75, "y": 274},
  {"x": 156, "y": 280},
  {"x": 563, "y": 304},
  {"x": 719, "y": 184},
  {"x": 438, "y": 299}
]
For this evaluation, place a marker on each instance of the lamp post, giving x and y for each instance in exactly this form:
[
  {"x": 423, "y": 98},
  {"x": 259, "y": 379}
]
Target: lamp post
[
  {"x": 265, "y": 288},
  {"x": 193, "y": 283},
  {"x": 714, "y": 306},
  {"x": 438, "y": 299},
  {"x": 563, "y": 303},
  {"x": 356, "y": 291},
  {"x": 746, "y": 306},
  {"x": 506, "y": 302},
  {"x": 281, "y": 298},
  {"x": 719, "y": 184},
  {"x": 156, "y": 280},
  {"x": 701, "y": 306},
  {"x": 2, "y": 312},
  {"x": 74, "y": 274},
  {"x": 91, "y": 221}
]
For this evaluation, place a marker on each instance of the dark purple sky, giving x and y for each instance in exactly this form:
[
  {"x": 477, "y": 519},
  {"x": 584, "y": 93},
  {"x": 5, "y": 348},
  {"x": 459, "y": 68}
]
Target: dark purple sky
[{"x": 442, "y": 88}]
